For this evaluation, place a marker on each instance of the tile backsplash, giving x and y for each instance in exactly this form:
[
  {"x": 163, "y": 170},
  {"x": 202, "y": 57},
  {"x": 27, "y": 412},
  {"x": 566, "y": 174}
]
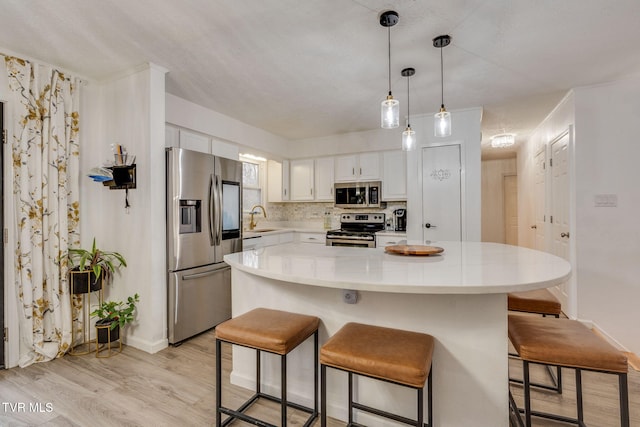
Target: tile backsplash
[{"x": 313, "y": 213}]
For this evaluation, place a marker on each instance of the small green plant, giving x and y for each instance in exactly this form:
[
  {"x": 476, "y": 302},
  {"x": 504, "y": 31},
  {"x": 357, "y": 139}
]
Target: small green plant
[
  {"x": 119, "y": 312},
  {"x": 96, "y": 260}
]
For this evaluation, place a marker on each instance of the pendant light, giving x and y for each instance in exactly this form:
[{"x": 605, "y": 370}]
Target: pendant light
[
  {"x": 408, "y": 136},
  {"x": 390, "y": 108},
  {"x": 442, "y": 119}
]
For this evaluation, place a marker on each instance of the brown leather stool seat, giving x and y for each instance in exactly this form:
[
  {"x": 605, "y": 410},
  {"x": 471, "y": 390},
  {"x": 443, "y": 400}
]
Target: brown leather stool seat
[
  {"x": 569, "y": 344},
  {"x": 272, "y": 331},
  {"x": 392, "y": 355},
  {"x": 539, "y": 301}
]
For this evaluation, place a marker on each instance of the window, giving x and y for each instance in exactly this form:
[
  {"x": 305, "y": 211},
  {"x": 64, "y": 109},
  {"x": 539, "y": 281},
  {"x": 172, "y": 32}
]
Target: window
[{"x": 251, "y": 191}]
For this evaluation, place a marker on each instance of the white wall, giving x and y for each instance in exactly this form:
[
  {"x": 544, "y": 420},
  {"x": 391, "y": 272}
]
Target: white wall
[
  {"x": 493, "y": 221},
  {"x": 557, "y": 122},
  {"x": 466, "y": 132},
  {"x": 186, "y": 114},
  {"x": 608, "y": 239},
  {"x": 130, "y": 111}
]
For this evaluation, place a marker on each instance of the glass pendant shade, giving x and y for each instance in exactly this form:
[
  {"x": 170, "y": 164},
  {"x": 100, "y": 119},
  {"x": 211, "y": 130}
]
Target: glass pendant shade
[
  {"x": 442, "y": 123},
  {"x": 408, "y": 139},
  {"x": 390, "y": 113}
]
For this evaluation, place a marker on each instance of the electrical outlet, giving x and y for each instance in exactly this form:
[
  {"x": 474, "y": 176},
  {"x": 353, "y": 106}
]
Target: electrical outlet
[
  {"x": 349, "y": 296},
  {"x": 606, "y": 200}
]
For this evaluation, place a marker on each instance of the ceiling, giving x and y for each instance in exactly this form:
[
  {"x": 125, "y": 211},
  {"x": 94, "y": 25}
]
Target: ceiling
[{"x": 304, "y": 69}]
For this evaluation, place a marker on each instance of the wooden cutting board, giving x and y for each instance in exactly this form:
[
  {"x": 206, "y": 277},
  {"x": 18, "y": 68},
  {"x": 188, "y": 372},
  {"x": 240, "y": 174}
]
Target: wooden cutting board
[{"x": 420, "y": 250}]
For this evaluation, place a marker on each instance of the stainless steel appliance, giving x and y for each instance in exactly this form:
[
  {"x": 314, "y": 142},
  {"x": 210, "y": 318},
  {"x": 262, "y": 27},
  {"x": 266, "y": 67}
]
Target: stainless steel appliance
[
  {"x": 400, "y": 216},
  {"x": 204, "y": 220},
  {"x": 357, "y": 230},
  {"x": 357, "y": 194}
]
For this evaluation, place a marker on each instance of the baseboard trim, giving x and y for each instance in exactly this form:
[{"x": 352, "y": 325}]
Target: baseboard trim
[{"x": 144, "y": 345}]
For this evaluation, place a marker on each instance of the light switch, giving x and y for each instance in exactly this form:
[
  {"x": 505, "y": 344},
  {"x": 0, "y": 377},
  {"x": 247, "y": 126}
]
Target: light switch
[{"x": 605, "y": 200}]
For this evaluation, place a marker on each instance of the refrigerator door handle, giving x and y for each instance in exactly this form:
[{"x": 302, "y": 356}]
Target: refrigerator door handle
[
  {"x": 211, "y": 206},
  {"x": 217, "y": 213},
  {"x": 200, "y": 275}
]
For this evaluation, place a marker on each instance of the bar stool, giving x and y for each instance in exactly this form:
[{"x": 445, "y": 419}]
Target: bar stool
[
  {"x": 543, "y": 302},
  {"x": 538, "y": 301},
  {"x": 569, "y": 344},
  {"x": 276, "y": 332},
  {"x": 391, "y": 355}
]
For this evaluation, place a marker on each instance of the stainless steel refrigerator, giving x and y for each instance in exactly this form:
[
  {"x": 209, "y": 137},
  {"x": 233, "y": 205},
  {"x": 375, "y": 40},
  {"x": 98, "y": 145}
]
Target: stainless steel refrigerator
[{"x": 204, "y": 223}]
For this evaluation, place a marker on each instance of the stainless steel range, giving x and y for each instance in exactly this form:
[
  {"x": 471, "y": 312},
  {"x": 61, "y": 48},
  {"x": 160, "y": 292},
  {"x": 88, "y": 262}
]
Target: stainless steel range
[{"x": 357, "y": 229}]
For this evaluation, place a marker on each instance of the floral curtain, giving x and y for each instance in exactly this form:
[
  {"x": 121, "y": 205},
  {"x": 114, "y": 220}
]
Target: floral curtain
[{"x": 44, "y": 146}]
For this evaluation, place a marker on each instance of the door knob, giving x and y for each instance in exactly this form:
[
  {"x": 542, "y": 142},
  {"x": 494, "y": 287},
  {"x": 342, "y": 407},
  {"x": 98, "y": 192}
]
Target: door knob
[
  {"x": 428, "y": 225},
  {"x": 534, "y": 226},
  {"x": 564, "y": 234}
]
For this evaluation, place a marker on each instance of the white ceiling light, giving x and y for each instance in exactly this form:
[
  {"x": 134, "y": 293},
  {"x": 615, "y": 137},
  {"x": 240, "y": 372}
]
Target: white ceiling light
[
  {"x": 390, "y": 108},
  {"x": 408, "y": 136},
  {"x": 442, "y": 119},
  {"x": 503, "y": 140}
]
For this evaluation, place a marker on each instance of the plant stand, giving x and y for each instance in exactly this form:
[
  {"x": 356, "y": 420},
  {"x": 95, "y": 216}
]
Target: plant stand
[
  {"x": 88, "y": 298},
  {"x": 104, "y": 350}
]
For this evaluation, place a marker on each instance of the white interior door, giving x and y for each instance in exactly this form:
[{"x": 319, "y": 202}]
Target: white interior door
[
  {"x": 539, "y": 200},
  {"x": 441, "y": 198},
  {"x": 559, "y": 219},
  {"x": 510, "y": 191}
]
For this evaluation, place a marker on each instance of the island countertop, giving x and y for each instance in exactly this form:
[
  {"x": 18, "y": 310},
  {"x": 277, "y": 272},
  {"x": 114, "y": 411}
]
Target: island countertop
[{"x": 463, "y": 268}]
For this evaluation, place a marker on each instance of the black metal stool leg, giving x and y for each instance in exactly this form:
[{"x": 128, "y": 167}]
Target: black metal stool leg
[
  {"x": 350, "y": 398},
  {"x": 624, "y": 400},
  {"x": 420, "y": 422},
  {"x": 218, "y": 383},
  {"x": 323, "y": 396},
  {"x": 430, "y": 397},
  {"x": 527, "y": 394},
  {"x": 579, "y": 396},
  {"x": 283, "y": 379}
]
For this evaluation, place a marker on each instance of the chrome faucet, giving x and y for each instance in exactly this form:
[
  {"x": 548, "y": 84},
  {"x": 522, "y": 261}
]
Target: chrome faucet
[{"x": 252, "y": 223}]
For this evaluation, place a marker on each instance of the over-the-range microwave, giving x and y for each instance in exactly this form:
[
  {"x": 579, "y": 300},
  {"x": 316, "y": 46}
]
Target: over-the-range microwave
[{"x": 357, "y": 194}]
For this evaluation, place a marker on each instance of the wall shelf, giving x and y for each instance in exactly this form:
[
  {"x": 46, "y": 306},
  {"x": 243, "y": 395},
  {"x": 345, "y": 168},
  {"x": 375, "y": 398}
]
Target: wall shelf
[{"x": 124, "y": 177}]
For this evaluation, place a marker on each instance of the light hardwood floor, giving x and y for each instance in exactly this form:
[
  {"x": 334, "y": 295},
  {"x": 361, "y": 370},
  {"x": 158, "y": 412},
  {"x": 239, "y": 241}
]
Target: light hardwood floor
[{"x": 175, "y": 387}]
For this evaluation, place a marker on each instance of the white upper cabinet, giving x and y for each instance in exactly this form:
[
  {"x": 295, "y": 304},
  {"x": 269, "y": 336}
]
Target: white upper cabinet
[
  {"x": 394, "y": 175},
  {"x": 324, "y": 179},
  {"x": 177, "y": 137},
  {"x": 195, "y": 141},
  {"x": 302, "y": 177},
  {"x": 277, "y": 181},
  {"x": 171, "y": 136},
  {"x": 357, "y": 167}
]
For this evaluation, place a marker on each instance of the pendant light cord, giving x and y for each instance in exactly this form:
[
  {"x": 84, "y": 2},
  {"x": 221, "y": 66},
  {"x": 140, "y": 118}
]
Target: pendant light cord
[
  {"x": 441, "y": 80},
  {"x": 408, "y": 103},
  {"x": 389, "y": 55}
]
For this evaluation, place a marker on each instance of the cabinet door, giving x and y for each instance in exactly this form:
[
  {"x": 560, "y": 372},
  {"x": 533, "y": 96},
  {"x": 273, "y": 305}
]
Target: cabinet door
[
  {"x": 171, "y": 136},
  {"x": 324, "y": 179},
  {"x": 394, "y": 175},
  {"x": 286, "y": 191},
  {"x": 194, "y": 141},
  {"x": 345, "y": 168},
  {"x": 302, "y": 179},
  {"x": 368, "y": 166}
]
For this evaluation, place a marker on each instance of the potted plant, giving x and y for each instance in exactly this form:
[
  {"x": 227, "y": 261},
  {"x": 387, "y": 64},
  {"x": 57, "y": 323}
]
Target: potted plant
[
  {"x": 112, "y": 316},
  {"x": 89, "y": 268}
]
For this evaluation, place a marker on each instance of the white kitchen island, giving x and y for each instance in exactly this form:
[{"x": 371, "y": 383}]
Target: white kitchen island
[{"x": 459, "y": 297}]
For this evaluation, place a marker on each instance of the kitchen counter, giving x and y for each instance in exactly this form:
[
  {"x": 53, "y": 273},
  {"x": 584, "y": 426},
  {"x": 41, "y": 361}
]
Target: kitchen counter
[
  {"x": 463, "y": 268},
  {"x": 459, "y": 297},
  {"x": 262, "y": 231}
]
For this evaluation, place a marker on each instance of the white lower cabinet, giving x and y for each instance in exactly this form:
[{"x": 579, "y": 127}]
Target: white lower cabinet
[
  {"x": 309, "y": 237},
  {"x": 382, "y": 241},
  {"x": 266, "y": 240}
]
